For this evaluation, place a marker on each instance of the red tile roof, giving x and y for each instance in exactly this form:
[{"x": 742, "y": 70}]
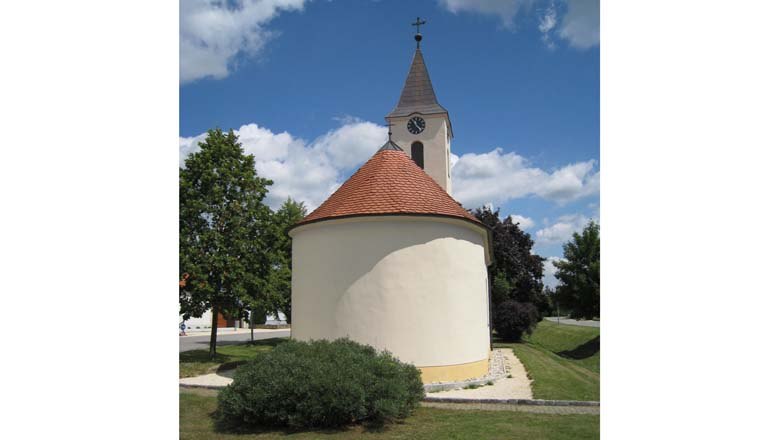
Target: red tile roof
[{"x": 389, "y": 183}]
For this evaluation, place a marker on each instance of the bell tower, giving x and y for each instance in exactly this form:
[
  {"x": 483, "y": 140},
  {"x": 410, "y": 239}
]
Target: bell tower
[{"x": 419, "y": 125}]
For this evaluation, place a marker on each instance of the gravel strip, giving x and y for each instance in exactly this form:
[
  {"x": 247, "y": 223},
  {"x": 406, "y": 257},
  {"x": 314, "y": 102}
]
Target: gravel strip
[{"x": 503, "y": 363}]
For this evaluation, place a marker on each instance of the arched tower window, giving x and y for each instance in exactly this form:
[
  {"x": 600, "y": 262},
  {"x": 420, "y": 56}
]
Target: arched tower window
[{"x": 417, "y": 154}]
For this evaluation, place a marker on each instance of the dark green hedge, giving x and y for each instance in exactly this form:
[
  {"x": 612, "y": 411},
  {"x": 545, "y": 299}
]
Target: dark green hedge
[
  {"x": 512, "y": 319},
  {"x": 320, "y": 384}
]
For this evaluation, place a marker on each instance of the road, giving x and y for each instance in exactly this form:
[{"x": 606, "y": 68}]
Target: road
[
  {"x": 187, "y": 343},
  {"x": 568, "y": 321}
]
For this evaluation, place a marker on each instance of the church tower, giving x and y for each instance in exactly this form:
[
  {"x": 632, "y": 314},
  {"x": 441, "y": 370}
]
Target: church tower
[
  {"x": 420, "y": 125},
  {"x": 392, "y": 236}
]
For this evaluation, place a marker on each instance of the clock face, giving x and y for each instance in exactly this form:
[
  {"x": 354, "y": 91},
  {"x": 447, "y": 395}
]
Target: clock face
[{"x": 416, "y": 125}]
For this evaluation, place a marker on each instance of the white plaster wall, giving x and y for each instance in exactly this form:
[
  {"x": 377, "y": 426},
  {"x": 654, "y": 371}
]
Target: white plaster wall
[
  {"x": 414, "y": 286},
  {"x": 436, "y": 145}
]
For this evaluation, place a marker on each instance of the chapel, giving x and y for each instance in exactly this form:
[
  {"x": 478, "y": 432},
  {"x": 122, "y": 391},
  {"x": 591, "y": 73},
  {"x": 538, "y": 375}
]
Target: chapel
[{"x": 390, "y": 259}]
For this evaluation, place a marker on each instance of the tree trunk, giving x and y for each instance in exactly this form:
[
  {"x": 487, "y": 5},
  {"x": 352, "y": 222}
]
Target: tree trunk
[
  {"x": 214, "y": 324},
  {"x": 252, "y": 326}
]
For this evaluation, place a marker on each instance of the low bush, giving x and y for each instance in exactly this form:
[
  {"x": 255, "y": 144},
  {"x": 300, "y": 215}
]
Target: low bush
[
  {"x": 514, "y": 319},
  {"x": 320, "y": 384}
]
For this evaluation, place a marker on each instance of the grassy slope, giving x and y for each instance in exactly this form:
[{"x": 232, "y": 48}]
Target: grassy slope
[
  {"x": 426, "y": 423},
  {"x": 196, "y": 362},
  {"x": 562, "y": 360}
]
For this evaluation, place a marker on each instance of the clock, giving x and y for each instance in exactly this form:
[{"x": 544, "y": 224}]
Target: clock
[{"x": 416, "y": 125}]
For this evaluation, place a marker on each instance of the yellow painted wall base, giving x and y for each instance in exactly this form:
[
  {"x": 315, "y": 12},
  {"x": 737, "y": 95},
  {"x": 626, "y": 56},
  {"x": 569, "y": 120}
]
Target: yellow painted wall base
[{"x": 452, "y": 373}]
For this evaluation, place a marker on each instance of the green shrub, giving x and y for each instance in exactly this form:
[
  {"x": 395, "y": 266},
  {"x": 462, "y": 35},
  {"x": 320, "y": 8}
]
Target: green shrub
[
  {"x": 320, "y": 384},
  {"x": 513, "y": 319}
]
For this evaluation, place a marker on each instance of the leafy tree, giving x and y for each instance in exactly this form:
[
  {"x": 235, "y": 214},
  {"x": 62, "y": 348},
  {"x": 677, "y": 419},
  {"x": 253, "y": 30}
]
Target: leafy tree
[
  {"x": 222, "y": 236},
  {"x": 290, "y": 213},
  {"x": 502, "y": 288},
  {"x": 516, "y": 273},
  {"x": 550, "y": 296},
  {"x": 259, "y": 296},
  {"x": 579, "y": 273},
  {"x": 514, "y": 319}
]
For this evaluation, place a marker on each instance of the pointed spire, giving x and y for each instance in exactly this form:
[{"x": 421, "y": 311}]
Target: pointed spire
[{"x": 417, "y": 95}]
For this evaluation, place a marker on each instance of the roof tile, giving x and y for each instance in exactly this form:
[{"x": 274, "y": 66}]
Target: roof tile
[{"x": 389, "y": 183}]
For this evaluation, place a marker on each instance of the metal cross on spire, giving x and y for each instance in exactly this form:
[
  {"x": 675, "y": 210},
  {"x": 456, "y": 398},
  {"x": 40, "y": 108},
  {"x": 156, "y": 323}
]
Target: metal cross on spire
[
  {"x": 418, "y": 23},
  {"x": 418, "y": 37}
]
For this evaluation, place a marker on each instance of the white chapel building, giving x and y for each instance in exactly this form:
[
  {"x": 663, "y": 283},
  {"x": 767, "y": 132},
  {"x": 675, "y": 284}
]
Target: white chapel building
[{"x": 391, "y": 259}]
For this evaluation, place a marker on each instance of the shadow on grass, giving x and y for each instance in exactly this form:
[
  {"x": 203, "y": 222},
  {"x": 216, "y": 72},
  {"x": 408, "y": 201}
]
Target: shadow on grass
[
  {"x": 584, "y": 351},
  {"x": 271, "y": 342},
  {"x": 505, "y": 343},
  {"x": 201, "y": 356},
  {"x": 233, "y": 428}
]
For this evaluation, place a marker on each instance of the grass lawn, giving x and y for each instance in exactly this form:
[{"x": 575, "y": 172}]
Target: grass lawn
[
  {"x": 563, "y": 361},
  {"x": 195, "y": 422},
  {"x": 197, "y": 362}
]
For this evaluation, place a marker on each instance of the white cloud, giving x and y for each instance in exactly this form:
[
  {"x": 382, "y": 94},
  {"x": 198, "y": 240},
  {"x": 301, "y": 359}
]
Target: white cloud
[
  {"x": 310, "y": 171},
  {"x": 213, "y": 32},
  {"x": 498, "y": 177},
  {"x": 352, "y": 143},
  {"x": 549, "y": 272},
  {"x": 305, "y": 171},
  {"x": 562, "y": 230},
  {"x": 504, "y": 9},
  {"x": 546, "y": 24},
  {"x": 578, "y": 23},
  {"x": 523, "y": 223},
  {"x": 189, "y": 145}
]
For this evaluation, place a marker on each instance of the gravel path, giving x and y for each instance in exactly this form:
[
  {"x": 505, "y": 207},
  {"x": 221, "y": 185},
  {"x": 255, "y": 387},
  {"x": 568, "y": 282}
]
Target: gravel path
[
  {"x": 539, "y": 409},
  {"x": 516, "y": 387},
  {"x": 221, "y": 379}
]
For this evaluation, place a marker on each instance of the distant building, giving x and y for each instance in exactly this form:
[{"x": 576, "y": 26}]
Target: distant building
[{"x": 204, "y": 322}]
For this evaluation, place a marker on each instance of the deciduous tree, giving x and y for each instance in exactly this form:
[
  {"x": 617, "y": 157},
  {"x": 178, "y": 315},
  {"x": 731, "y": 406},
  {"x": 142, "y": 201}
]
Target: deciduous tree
[
  {"x": 222, "y": 237},
  {"x": 579, "y": 273},
  {"x": 290, "y": 213},
  {"x": 515, "y": 319},
  {"x": 516, "y": 273}
]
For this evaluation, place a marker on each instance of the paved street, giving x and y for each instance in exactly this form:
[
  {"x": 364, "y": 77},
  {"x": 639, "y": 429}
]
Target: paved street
[
  {"x": 568, "y": 321},
  {"x": 202, "y": 341}
]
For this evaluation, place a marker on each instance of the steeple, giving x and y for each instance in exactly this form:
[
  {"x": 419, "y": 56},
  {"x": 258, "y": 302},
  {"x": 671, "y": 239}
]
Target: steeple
[
  {"x": 417, "y": 95},
  {"x": 423, "y": 126}
]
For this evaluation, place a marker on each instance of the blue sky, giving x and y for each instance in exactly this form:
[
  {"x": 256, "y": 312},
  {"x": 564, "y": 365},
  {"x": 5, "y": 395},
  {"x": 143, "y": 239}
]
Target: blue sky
[{"x": 307, "y": 84}]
